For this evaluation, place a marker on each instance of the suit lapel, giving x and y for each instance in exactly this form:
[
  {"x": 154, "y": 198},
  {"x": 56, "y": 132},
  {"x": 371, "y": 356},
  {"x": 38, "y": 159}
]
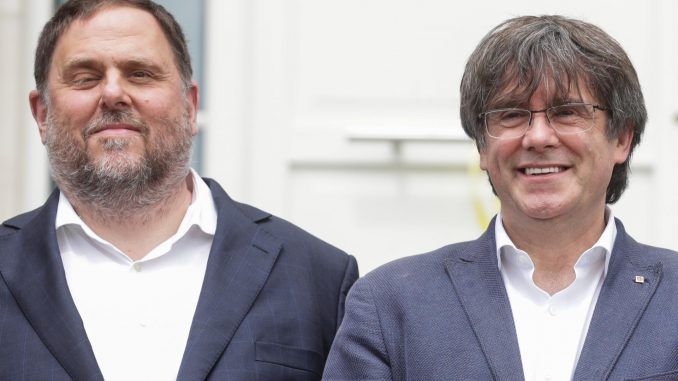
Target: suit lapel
[
  {"x": 620, "y": 306},
  {"x": 239, "y": 264},
  {"x": 31, "y": 267},
  {"x": 476, "y": 279}
]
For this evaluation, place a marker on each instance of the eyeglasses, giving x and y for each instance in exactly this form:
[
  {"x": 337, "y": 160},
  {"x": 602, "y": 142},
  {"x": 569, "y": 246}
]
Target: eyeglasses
[{"x": 567, "y": 119}]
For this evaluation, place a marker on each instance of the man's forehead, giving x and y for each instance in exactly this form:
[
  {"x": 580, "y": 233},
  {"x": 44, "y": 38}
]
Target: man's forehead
[
  {"x": 547, "y": 90},
  {"x": 110, "y": 30},
  {"x": 117, "y": 23},
  {"x": 113, "y": 16},
  {"x": 134, "y": 60}
]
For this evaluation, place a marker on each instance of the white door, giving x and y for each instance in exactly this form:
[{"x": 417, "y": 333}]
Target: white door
[{"x": 342, "y": 116}]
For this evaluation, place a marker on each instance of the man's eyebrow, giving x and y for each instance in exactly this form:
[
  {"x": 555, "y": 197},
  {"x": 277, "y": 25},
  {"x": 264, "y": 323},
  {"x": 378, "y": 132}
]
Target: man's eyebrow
[
  {"x": 506, "y": 101},
  {"x": 127, "y": 63},
  {"x": 140, "y": 62},
  {"x": 79, "y": 62},
  {"x": 514, "y": 101},
  {"x": 569, "y": 99}
]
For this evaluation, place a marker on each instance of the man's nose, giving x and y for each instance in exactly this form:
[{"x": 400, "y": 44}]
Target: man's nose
[
  {"x": 540, "y": 134},
  {"x": 114, "y": 95}
]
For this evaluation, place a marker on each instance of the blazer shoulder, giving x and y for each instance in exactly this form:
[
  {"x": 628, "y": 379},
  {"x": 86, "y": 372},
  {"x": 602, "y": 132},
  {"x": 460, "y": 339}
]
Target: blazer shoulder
[
  {"x": 291, "y": 234},
  {"x": 435, "y": 257},
  {"x": 418, "y": 270},
  {"x": 411, "y": 287},
  {"x": 276, "y": 226},
  {"x": 42, "y": 213},
  {"x": 640, "y": 252},
  {"x": 667, "y": 257},
  {"x": 15, "y": 223},
  {"x": 643, "y": 254}
]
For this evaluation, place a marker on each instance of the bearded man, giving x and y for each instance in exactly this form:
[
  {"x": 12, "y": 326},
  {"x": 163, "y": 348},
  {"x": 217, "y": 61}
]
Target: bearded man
[{"x": 135, "y": 267}]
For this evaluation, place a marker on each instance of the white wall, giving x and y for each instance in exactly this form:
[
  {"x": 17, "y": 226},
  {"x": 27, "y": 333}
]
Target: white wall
[
  {"x": 9, "y": 106},
  {"x": 24, "y": 180},
  {"x": 292, "y": 81},
  {"x": 286, "y": 77}
]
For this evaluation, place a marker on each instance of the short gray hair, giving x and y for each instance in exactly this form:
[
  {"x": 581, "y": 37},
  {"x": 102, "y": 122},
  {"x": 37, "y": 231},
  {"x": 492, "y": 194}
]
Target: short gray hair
[
  {"x": 74, "y": 10},
  {"x": 514, "y": 59}
]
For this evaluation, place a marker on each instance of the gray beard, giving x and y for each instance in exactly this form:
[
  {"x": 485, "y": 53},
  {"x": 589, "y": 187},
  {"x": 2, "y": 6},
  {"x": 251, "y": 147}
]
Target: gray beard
[{"x": 118, "y": 187}]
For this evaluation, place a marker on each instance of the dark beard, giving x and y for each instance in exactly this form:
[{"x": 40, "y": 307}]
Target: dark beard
[{"x": 116, "y": 186}]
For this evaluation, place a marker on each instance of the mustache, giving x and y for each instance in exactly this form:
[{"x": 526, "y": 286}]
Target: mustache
[{"x": 109, "y": 117}]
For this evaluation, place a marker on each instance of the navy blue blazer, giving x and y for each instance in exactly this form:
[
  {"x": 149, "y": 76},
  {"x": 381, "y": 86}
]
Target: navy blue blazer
[
  {"x": 445, "y": 315},
  {"x": 270, "y": 304}
]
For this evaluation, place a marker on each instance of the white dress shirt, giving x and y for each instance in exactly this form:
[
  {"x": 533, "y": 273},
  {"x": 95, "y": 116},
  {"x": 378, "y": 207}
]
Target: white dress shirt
[
  {"x": 551, "y": 329},
  {"x": 137, "y": 314}
]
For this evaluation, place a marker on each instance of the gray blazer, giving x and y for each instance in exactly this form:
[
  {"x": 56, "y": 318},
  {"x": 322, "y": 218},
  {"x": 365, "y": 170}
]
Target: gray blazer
[{"x": 445, "y": 315}]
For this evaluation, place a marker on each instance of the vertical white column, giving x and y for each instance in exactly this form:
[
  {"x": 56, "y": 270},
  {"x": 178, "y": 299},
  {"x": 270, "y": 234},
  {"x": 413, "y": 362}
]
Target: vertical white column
[
  {"x": 667, "y": 165},
  {"x": 24, "y": 181},
  {"x": 227, "y": 112},
  {"x": 10, "y": 17},
  {"x": 34, "y": 173},
  {"x": 272, "y": 103}
]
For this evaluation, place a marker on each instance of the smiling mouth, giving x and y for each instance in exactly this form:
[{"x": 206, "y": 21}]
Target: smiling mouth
[
  {"x": 532, "y": 171},
  {"x": 118, "y": 127},
  {"x": 112, "y": 129}
]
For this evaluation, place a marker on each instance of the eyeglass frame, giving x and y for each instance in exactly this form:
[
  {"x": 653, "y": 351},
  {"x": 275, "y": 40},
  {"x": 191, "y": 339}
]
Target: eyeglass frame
[{"x": 595, "y": 107}]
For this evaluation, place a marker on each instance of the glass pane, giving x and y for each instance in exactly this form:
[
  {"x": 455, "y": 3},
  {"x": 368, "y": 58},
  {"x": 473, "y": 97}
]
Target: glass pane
[{"x": 190, "y": 15}]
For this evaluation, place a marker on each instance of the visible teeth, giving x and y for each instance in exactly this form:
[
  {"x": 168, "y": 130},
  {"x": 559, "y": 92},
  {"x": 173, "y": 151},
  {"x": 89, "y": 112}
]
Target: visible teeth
[{"x": 539, "y": 171}]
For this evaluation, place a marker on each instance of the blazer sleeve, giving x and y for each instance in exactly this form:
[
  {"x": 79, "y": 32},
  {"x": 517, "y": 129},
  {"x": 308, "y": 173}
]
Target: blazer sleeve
[
  {"x": 350, "y": 276},
  {"x": 359, "y": 351}
]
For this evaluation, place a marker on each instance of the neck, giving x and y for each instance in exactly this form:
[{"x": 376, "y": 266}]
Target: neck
[
  {"x": 555, "y": 245},
  {"x": 136, "y": 232}
]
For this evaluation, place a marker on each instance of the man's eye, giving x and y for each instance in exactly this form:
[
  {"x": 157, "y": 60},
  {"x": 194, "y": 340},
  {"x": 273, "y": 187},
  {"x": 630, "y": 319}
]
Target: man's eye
[
  {"x": 512, "y": 115},
  {"x": 84, "y": 80},
  {"x": 141, "y": 74},
  {"x": 565, "y": 112}
]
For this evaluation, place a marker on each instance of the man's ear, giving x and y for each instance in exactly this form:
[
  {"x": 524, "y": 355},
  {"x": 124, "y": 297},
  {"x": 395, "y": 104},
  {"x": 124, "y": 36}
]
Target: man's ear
[
  {"x": 39, "y": 110},
  {"x": 192, "y": 99},
  {"x": 623, "y": 146},
  {"x": 483, "y": 158}
]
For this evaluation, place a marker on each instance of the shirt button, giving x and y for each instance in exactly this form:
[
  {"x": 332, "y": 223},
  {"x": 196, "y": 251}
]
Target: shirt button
[
  {"x": 553, "y": 310},
  {"x": 136, "y": 266}
]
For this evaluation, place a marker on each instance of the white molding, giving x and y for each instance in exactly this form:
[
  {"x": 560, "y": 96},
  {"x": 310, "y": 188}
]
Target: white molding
[
  {"x": 667, "y": 159},
  {"x": 34, "y": 167},
  {"x": 10, "y": 7},
  {"x": 228, "y": 98},
  {"x": 25, "y": 176}
]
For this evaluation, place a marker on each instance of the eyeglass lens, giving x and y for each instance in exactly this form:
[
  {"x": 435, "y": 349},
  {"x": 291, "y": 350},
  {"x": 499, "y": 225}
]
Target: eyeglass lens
[{"x": 565, "y": 119}]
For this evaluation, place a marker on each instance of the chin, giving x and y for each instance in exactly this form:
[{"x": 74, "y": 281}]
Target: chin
[
  {"x": 119, "y": 161},
  {"x": 110, "y": 148},
  {"x": 542, "y": 214},
  {"x": 543, "y": 208}
]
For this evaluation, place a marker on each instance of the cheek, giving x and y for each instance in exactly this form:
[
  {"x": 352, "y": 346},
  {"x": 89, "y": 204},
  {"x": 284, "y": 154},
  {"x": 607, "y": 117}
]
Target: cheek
[
  {"x": 158, "y": 108},
  {"x": 495, "y": 156},
  {"x": 76, "y": 108}
]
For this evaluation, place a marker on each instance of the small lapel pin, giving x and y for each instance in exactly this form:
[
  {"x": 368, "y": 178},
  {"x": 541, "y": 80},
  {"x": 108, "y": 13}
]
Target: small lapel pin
[{"x": 639, "y": 279}]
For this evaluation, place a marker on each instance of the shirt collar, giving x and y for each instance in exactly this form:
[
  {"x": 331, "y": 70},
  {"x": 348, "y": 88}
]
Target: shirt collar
[
  {"x": 205, "y": 215},
  {"x": 605, "y": 241},
  {"x": 201, "y": 212}
]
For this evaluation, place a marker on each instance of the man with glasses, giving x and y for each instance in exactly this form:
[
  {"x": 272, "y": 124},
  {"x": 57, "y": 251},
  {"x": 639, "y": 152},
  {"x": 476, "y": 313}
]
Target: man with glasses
[{"x": 555, "y": 289}]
